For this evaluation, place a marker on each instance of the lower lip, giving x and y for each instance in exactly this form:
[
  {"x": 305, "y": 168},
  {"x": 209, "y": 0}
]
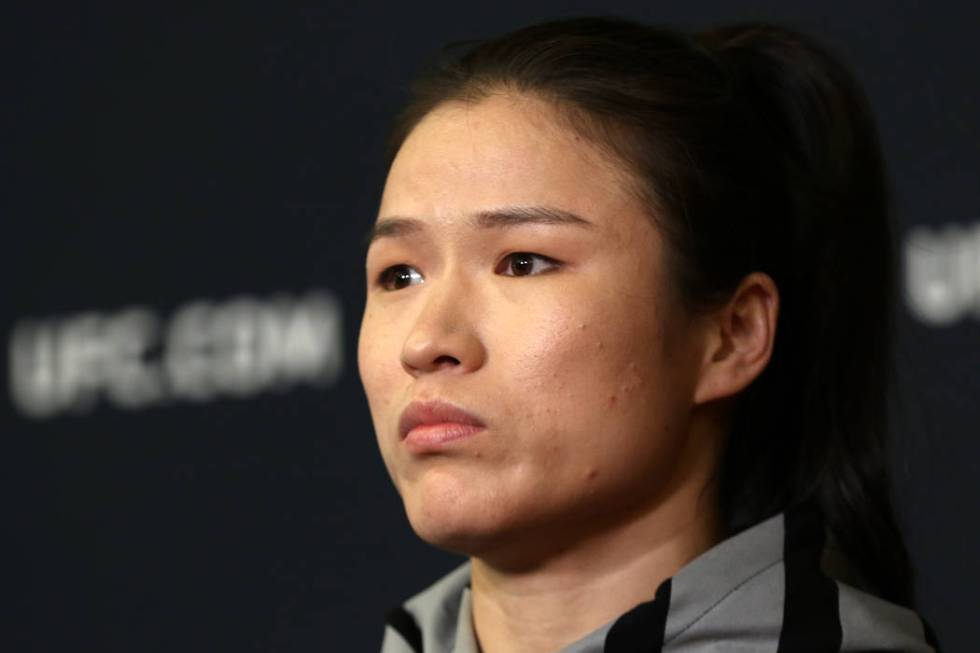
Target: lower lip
[{"x": 434, "y": 437}]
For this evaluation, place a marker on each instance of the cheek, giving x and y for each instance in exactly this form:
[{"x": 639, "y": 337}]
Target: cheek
[
  {"x": 378, "y": 362},
  {"x": 591, "y": 385},
  {"x": 379, "y": 365},
  {"x": 584, "y": 356}
]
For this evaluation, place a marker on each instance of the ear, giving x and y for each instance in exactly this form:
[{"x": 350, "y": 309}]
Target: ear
[{"x": 739, "y": 339}]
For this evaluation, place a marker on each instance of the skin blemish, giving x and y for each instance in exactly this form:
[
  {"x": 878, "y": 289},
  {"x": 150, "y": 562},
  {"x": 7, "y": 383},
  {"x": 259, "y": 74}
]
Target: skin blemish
[
  {"x": 633, "y": 379},
  {"x": 612, "y": 400}
]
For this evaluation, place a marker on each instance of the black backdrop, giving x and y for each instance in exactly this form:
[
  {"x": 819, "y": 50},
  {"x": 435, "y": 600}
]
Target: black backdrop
[{"x": 188, "y": 463}]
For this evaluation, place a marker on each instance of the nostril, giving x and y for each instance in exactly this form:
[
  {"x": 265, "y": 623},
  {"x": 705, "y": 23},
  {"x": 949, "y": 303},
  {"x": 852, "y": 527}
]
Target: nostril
[{"x": 445, "y": 361}]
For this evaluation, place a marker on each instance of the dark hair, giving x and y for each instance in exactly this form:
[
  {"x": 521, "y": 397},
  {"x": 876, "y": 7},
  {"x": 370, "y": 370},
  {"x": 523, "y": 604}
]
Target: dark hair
[{"x": 756, "y": 150}]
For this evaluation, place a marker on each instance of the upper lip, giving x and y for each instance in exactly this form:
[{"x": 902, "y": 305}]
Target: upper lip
[{"x": 433, "y": 412}]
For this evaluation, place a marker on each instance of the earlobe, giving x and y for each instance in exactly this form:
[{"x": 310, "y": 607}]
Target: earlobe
[{"x": 740, "y": 339}]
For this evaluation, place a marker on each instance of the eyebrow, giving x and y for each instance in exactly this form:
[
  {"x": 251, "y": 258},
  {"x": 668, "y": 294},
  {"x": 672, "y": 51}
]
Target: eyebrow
[{"x": 397, "y": 227}]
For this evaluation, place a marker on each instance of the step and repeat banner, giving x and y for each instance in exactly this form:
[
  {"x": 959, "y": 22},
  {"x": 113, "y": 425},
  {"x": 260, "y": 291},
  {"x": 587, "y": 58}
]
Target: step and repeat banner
[{"x": 188, "y": 460}]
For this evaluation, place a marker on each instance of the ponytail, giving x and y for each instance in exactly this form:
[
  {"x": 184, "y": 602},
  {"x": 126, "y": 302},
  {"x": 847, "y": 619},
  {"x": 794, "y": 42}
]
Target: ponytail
[{"x": 839, "y": 292}]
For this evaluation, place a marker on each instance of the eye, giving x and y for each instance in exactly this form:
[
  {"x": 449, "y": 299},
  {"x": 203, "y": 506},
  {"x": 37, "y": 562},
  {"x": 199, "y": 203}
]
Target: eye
[
  {"x": 399, "y": 276},
  {"x": 523, "y": 264}
]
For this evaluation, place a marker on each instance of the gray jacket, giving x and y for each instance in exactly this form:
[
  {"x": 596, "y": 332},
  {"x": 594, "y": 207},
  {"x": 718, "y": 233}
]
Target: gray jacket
[{"x": 767, "y": 589}]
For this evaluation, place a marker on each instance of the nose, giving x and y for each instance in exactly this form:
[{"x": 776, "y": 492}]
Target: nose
[{"x": 444, "y": 336}]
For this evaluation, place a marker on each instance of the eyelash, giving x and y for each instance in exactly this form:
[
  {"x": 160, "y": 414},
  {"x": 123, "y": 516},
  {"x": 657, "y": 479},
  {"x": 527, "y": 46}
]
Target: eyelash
[{"x": 387, "y": 278}]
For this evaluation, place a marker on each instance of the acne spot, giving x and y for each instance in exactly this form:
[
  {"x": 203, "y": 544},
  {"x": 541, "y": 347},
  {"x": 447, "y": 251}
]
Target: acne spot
[
  {"x": 582, "y": 326},
  {"x": 598, "y": 345},
  {"x": 592, "y": 474},
  {"x": 612, "y": 400},
  {"x": 633, "y": 379}
]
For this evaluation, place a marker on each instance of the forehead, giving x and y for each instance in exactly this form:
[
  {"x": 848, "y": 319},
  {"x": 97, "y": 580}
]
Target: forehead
[{"x": 504, "y": 150}]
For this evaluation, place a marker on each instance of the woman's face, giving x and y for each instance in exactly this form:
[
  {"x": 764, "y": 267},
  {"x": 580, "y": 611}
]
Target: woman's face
[{"x": 514, "y": 276}]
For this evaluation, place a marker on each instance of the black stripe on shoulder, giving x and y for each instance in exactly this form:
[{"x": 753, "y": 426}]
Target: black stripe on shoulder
[
  {"x": 811, "y": 615},
  {"x": 641, "y": 630},
  {"x": 404, "y": 624}
]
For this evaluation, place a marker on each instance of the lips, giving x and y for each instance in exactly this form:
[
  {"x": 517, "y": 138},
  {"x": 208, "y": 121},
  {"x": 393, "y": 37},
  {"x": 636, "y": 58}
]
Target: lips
[{"x": 432, "y": 413}]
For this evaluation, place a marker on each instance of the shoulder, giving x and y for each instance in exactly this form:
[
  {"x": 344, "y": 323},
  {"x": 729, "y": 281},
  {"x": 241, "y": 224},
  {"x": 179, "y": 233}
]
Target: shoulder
[
  {"x": 871, "y": 623},
  {"x": 430, "y": 616},
  {"x": 767, "y": 588}
]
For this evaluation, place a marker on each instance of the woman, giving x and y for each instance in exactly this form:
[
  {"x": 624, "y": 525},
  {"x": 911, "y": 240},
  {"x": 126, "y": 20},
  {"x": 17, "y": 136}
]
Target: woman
[{"x": 626, "y": 345}]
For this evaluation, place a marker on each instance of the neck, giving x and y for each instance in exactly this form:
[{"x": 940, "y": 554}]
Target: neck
[{"x": 542, "y": 607}]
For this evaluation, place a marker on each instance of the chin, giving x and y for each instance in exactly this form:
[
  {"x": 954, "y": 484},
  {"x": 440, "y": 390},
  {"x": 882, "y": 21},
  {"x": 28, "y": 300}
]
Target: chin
[
  {"x": 512, "y": 541},
  {"x": 449, "y": 530},
  {"x": 456, "y": 518}
]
